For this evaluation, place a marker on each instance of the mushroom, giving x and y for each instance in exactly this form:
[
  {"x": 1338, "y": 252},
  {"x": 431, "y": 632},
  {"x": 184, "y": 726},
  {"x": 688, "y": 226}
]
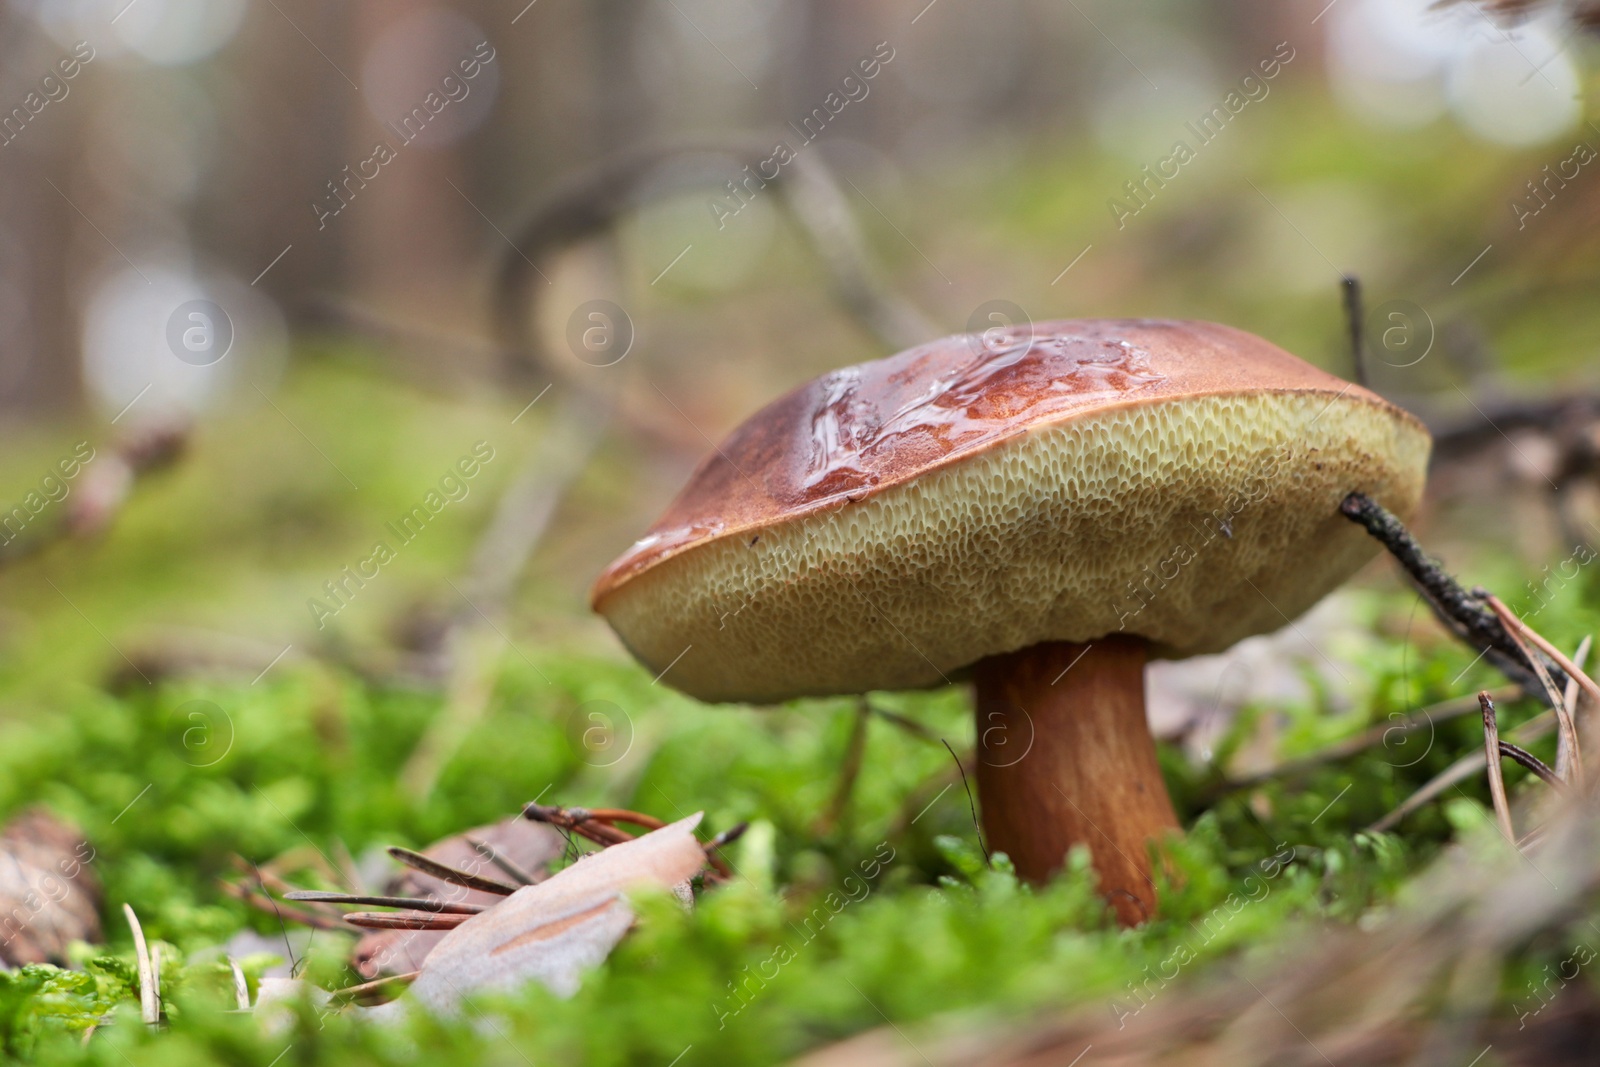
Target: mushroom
[{"x": 1039, "y": 510}]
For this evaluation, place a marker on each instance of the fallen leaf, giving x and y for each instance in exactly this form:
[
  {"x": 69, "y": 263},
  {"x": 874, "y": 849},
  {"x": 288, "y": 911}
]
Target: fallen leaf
[
  {"x": 49, "y": 897},
  {"x": 526, "y": 846},
  {"x": 554, "y": 931}
]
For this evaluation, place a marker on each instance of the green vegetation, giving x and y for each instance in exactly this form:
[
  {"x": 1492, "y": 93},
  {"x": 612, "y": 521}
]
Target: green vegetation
[
  {"x": 891, "y": 914},
  {"x": 102, "y": 662}
]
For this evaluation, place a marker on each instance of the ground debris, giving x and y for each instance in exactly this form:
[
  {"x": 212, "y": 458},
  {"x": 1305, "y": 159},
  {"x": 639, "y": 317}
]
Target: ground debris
[
  {"x": 553, "y": 931},
  {"x": 1419, "y": 988},
  {"x": 49, "y": 896}
]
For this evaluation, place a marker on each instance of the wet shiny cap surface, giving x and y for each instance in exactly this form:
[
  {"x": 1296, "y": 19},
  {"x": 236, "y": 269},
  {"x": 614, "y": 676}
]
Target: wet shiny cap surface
[{"x": 1181, "y": 407}]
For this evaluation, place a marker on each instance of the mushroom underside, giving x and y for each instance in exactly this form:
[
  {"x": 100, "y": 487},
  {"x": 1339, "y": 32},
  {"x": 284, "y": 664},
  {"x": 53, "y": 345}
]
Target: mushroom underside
[{"x": 1191, "y": 524}]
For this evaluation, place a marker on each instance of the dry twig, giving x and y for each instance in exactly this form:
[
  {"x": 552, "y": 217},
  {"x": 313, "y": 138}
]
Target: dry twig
[
  {"x": 1353, "y": 317},
  {"x": 1470, "y": 764},
  {"x": 1569, "y": 759},
  {"x": 597, "y": 824},
  {"x": 389, "y": 920},
  {"x": 1380, "y": 733},
  {"x": 366, "y": 989},
  {"x": 317, "y": 920},
  {"x": 589, "y": 202},
  {"x": 149, "y": 987},
  {"x": 854, "y": 755},
  {"x": 446, "y": 873},
  {"x": 416, "y": 904},
  {"x": 1497, "y": 782},
  {"x": 909, "y": 725},
  {"x": 1533, "y": 763},
  {"x": 518, "y": 873},
  {"x": 1464, "y": 614},
  {"x": 1459, "y": 771},
  {"x": 241, "y": 988},
  {"x": 1573, "y": 672}
]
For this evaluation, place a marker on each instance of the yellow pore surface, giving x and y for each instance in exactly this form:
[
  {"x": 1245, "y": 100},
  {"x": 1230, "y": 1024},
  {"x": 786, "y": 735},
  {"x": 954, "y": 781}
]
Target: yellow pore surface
[{"x": 1193, "y": 522}]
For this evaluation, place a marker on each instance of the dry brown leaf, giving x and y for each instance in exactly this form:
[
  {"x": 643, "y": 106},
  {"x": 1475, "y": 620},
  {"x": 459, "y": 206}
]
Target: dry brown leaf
[
  {"x": 528, "y": 846},
  {"x": 554, "y": 931},
  {"x": 49, "y": 896}
]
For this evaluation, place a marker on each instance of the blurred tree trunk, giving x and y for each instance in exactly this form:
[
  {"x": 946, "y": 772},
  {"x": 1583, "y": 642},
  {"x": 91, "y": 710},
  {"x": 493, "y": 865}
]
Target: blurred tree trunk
[
  {"x": 38, "y": 322},
  {"x": 281, "y": 138},
  {"x": 415, "y": 239}
]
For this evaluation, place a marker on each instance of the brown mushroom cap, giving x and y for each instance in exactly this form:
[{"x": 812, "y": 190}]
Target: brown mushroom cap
[{"x": 888, "y": 524}]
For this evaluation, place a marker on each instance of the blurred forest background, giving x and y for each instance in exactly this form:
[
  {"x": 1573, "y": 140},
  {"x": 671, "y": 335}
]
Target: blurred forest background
[
  {"x": 257, "y": 155},
  {"x": 275, "y": 273}
]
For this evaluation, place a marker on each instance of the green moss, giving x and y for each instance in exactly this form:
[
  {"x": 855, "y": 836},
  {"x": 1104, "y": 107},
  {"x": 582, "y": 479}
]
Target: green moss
[{"x": 173, "y": 772}]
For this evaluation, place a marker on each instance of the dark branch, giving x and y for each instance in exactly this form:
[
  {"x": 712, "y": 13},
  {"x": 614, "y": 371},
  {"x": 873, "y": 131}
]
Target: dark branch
[
  {"x": 1531, "y": 762},
  {"x": 971, "y": 803},
  {"x": 1463, "y": 613},
  {"x": 365, "y": 989},
  {"x": 577, "y": 820},
  {"x": 446, "y": 873},
  {"x": 590, "y": 202},
  {"x": 727, "y": 837},
  {"x": 518, "y": 874},
  {"x": 414, "y": 903},
  {"x": 392, "y": 920},
  {"x": 1352, "y": 312}
]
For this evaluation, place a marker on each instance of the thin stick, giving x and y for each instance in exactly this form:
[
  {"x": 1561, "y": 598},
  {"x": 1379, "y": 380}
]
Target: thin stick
[
  {"x": 1465, "y": 615},
  {"x": 1352, "y": 312},
  {"x": 388, "y": 920},
  {"x": 105, "y": 491},
  {"x": 149, "y": 993},
  {"x": 971, "y": 803},
  {"x": 910, "y": 726},
  {"x": 267, "y": 879},
  {"x": 1578, "y": 660},
  {"x": 590, "y": 201},
  {"x": 294, "y": 964},
  {"x": 1497, "y": 782},
  {"x": 1571, "y": 669},
  {"x": 1459, "y": 771},
  {"x": 241, "y": 988},
  {"x": 597, "y": 825},
  {"x": 1532, "y": 763},
  {"x": 1570, "y": 694},
  {"x": 1569, "y": 759},
  {"x": 446, "y": 873},
  {"x": 855, "y": 753},
  {"x": 315, "y": 919},
  {"x": 505, "y": 863},
  {"x": 578, "y": 821},
  {"x": 616, "y": 815},
  {"x": 414, "y": 903},
  {"x": 355, "y": 992},
  {"x": 318, "y": 918},
  {"x": 727, "y": 837},
  {"x": 1373, "y": 735},
  {"x": 1470, "y": 764}
]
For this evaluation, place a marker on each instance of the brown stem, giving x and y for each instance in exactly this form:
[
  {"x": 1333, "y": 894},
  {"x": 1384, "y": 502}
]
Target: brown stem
[{"x": 1065, "y": 757}]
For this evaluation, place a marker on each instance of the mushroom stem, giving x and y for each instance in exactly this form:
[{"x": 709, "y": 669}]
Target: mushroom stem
[{"x": 1065, "y": 757}]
